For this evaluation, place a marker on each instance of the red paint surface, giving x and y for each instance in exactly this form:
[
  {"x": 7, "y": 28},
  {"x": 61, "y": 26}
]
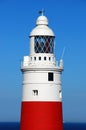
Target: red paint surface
[{"x": 41, "y": 116}]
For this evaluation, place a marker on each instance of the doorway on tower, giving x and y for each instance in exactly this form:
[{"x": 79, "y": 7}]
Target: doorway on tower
[{"x": 35, "y": 92}]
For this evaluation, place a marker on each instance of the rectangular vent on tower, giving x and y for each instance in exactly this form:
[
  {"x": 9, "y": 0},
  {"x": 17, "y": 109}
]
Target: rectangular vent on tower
[{"x": 35, "y": 92}]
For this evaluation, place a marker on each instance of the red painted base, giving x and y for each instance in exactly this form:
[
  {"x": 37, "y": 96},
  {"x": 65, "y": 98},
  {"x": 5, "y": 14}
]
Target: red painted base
[{"x": 41, "y": 116}]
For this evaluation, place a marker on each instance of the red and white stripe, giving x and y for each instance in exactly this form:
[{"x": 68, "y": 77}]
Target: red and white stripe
[{"x": 43, "y": 111}]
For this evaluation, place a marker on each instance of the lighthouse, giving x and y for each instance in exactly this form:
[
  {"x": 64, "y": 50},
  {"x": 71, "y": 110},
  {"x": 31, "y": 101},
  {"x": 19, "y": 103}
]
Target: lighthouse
[{"x": 41, "y": 107}]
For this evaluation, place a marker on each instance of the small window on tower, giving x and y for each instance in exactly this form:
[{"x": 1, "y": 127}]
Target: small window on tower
[
  {"x": 49, "y": 58},
  {"x": 44, "y": 58},
  {"x": 34, "y": 58},
  {"x": 60, "y": 93},
  {"x": 39, "y": 58},
  {"x": 50, "y": 77},
  {"x": 35, "y": 92}
]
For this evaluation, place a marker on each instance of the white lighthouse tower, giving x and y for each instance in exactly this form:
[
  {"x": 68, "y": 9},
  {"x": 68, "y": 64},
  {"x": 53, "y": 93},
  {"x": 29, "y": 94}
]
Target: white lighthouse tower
[{"x": 42, "y": 92}]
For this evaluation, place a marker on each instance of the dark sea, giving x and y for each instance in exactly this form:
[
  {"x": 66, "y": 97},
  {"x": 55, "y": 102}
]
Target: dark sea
[{"x": 67, "y": 126}]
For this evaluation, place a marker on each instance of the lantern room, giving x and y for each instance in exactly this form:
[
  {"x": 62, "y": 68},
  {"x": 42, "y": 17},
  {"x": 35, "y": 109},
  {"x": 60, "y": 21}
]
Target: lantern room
[{"x": 42, "y": 37}]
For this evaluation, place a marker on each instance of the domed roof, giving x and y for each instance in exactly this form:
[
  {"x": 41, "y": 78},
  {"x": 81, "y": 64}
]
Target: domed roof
[
  {"x": 42, "y": 27},
  {"x": 42, "y": 20}
]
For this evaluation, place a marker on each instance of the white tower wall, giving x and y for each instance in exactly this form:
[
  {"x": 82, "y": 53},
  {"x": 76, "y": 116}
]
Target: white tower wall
[{"x": 38, "y": 80}]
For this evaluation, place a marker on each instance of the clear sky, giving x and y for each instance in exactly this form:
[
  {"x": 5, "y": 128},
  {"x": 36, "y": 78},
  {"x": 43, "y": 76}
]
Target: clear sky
[{"x": 67, "y": 18}]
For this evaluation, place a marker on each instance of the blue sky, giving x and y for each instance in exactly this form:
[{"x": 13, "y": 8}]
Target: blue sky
[{"x": 67, "y": 18}]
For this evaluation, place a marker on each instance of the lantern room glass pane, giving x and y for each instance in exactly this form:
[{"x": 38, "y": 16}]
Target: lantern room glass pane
[{"x": 44, "y": 44}]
